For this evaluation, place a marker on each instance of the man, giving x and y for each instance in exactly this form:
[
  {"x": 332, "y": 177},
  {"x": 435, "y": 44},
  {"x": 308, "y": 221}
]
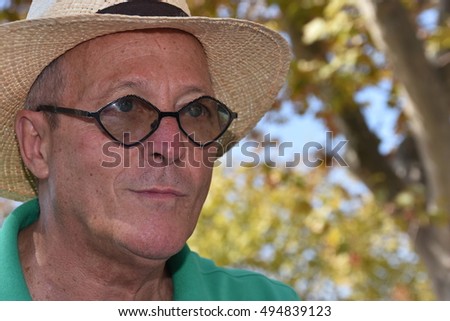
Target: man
[{"x": 86, "y": 83}]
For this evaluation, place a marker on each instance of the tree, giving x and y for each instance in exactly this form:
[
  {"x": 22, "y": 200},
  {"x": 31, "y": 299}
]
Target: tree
[
  {"x": 344, "y": 46},
  {"x": 425, "y": 82},
  {"x": 309, "y": 233},
  {"x": 13, "y": 9}
]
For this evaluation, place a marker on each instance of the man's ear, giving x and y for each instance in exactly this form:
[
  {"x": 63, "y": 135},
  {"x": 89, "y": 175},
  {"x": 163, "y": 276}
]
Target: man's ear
[{"x": 33, "y": 134}]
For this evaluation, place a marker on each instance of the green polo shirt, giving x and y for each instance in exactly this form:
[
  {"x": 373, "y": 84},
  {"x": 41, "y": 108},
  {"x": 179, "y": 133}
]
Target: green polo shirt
[{"x": 194, "y": 278}]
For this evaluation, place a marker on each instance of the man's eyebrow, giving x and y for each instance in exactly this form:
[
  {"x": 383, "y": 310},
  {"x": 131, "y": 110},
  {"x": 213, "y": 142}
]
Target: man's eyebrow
[
  {"x": 195, "y": 90},
  {"x": 135, "y": 83},
  {"x": 113, "y": 89},
  {"x": 140, "y": 83}
]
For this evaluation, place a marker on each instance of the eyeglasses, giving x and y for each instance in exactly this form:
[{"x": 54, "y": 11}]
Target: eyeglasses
[{"x": 130, "y": 120}]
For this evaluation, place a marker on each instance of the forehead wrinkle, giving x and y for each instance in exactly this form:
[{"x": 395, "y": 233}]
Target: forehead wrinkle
[{"x": 136, "y": 84}]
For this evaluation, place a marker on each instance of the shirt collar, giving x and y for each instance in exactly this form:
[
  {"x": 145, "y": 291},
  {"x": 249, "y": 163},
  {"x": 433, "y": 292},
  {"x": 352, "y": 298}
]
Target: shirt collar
[{"x": 12, "y": 279}]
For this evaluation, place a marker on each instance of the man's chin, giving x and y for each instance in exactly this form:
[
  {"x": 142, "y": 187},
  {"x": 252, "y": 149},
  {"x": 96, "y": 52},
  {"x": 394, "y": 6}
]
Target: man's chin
[{"x": 158, "y": 250}]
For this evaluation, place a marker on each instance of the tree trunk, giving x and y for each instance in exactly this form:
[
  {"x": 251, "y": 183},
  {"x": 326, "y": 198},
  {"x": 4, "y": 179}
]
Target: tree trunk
[{"x": 428, "y": 112}]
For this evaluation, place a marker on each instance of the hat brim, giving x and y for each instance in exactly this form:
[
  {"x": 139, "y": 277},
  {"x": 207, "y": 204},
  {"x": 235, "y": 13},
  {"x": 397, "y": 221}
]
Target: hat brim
[{"x": 248, "y": 65}]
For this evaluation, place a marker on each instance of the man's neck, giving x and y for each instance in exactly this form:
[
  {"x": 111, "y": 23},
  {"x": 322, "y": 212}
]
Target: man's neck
[{"x": 53, "y": 271}]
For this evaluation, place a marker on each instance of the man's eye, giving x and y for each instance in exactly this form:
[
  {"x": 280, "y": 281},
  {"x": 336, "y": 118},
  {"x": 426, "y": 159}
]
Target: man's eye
[
  {"x": 124, "y": 105},
  {"x": 197, "y": 110}
]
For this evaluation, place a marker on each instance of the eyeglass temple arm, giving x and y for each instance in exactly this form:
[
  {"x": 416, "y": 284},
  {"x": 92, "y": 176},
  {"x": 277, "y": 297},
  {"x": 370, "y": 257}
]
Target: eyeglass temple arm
[{"x": 67, "y": 111}]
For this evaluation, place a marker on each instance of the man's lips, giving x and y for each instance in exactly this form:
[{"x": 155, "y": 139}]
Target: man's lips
[{"x": 160, "y": 192}]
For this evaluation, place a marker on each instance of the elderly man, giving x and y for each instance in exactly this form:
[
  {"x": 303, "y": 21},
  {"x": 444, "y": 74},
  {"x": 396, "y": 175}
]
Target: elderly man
[{"x": 163, "y": 92}]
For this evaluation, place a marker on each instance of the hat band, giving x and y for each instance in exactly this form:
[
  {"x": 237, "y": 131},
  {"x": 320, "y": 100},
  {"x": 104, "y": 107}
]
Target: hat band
[{"x": 144, "y": 8}]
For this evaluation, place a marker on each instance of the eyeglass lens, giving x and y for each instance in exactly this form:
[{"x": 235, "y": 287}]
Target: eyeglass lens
[{"x": 133, "y": 118}]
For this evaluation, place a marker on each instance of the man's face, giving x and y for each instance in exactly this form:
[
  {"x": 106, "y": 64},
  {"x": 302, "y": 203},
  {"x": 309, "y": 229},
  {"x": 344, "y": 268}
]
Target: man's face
[{"x": 123, "y": 198}]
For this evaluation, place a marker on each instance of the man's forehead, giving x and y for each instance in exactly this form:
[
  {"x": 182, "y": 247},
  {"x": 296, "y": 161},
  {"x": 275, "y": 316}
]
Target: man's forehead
[
  {"x": 133, "y": 61},
  {"x": 147, "y": 37}
]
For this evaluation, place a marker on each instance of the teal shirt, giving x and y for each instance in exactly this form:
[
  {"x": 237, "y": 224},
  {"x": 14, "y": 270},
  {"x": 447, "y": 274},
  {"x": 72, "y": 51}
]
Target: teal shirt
[{"x": 194, "y": 278}]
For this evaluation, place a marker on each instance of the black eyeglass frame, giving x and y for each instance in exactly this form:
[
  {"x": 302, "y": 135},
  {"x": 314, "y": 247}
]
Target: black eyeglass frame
[{"x": 161, "y": 114}]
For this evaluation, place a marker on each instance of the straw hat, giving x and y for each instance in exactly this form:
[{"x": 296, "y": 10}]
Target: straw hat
[{"x": 247, "y": 61}]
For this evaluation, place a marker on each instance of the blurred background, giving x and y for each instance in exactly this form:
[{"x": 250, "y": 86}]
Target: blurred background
[{"x": 346, "y": 194}]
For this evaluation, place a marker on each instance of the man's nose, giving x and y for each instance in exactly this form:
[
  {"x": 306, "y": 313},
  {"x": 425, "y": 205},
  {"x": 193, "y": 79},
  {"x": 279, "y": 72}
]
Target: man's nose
[{"x": 167, "y": 142}]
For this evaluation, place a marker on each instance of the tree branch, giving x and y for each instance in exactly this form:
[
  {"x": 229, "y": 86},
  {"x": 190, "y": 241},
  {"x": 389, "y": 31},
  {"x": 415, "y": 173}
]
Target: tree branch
[
  {"x": 369, "y": 165},
  {"x": 444, "y": 11},
  {"x": 364, "y": 157}
]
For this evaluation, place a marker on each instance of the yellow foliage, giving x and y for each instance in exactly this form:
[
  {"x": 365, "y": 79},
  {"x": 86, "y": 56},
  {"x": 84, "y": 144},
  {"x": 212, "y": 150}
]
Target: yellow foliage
[
  {"x": 315, "y": 30},
  {"x": 295, "y": 228}
]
